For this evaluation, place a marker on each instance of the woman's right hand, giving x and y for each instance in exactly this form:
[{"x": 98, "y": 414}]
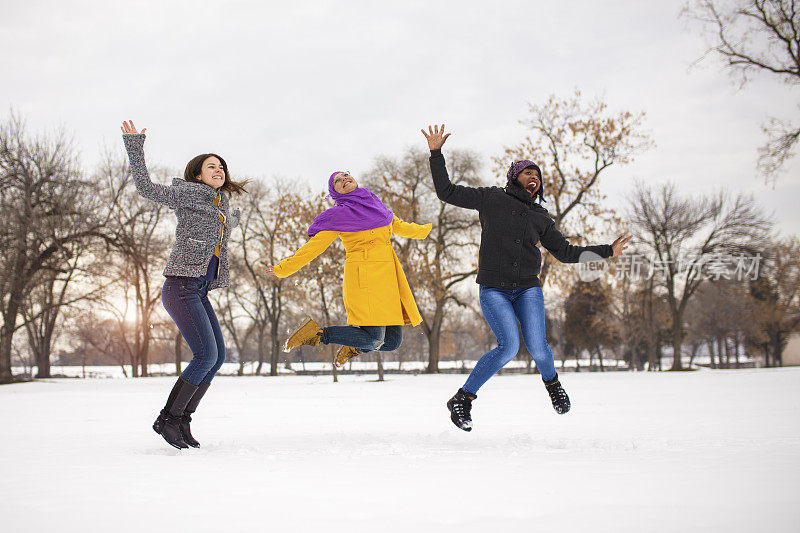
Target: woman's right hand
[
  {"x": 270, "y": 270},
  {"x": 435, "y": 137},
  {"x": 129, "y": 129}
]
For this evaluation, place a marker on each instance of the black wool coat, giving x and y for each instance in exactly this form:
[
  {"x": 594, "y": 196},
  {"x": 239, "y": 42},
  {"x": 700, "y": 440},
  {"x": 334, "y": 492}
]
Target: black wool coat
[{"x": 511, "y": 226}]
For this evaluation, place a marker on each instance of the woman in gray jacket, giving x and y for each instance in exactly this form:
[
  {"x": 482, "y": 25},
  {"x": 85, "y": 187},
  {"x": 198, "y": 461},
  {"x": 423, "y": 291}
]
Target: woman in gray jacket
[{"x": 198, "y": 263}]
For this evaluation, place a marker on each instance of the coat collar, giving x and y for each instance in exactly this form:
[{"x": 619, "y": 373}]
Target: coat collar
[
  {"x": 201, "y": 189},
  {"x": 518, "y": 191}
]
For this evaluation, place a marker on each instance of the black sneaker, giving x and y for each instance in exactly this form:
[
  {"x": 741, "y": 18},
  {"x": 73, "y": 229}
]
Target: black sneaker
[
  {"x": 460, "y": 406},
  {"x": 557, "y": 395}
]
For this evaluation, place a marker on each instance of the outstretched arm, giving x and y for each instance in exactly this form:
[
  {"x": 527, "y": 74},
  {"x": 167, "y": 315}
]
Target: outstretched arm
[
  {"x": 458, "y": 195},
  {"x": 134, "y": 144},
  {"x": 310, "y": 250},
  {"x": 559, "y": 246},
  {"x": 409, "y": 229}
]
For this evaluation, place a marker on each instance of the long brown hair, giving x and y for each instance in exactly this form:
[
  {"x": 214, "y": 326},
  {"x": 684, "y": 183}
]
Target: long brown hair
[{"x": 195, "y": 167}]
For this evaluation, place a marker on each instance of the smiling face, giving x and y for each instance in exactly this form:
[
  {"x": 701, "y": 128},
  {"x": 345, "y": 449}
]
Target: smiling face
[
  {"x": 344, "y": 183},
  {"x": 530, "y": 180},
  {"x": 212, "y": 172}
]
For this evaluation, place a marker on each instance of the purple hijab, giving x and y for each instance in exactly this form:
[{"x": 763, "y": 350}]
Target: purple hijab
[{"x": 354, "y": 211}]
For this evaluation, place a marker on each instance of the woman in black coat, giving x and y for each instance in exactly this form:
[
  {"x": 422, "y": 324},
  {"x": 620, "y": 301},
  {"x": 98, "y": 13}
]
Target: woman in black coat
[{"x": 508, "y": 269}]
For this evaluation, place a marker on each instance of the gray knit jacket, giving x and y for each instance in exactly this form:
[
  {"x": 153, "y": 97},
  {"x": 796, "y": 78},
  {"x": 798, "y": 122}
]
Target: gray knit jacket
[{"x": 197, "y": 234}]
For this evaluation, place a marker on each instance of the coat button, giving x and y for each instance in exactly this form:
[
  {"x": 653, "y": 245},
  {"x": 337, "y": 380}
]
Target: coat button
[
  {"x": 524, "y": 214},
  {"x": 513, "y": 212},
  {"x": 513, "y": 284},
  {"x": 515, "y": 264},
  {"x": 517, "y": 241},
  {"x": 502, "y": 284}
]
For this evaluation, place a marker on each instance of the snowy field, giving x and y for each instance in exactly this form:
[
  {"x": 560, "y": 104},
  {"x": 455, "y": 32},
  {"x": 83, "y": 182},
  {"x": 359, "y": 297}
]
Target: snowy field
[{"x": 674, "y": 452}]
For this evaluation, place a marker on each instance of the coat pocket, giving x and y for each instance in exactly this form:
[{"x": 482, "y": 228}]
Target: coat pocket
[{"x": 193, "y": 251}]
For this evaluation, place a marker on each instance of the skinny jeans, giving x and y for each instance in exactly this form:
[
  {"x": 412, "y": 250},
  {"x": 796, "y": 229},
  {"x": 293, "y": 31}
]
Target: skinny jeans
[
  {"x": 364, "y": 338},
  {"x": 186, "y": 301},
  {"x": 502, "y": 308}
]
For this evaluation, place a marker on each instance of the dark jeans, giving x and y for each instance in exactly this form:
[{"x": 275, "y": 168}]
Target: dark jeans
[
  {"x": 186, "y": 301},
  {"x": 502, "y": 308},
  {"x": 364, "y": 338}
]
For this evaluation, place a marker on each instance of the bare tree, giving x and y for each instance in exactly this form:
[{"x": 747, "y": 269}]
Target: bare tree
[
  {"x": 272, "y": 228},
  {"x": 436, "y": 265},
  {"x": 757, "y": 37},
  {"x": 43, "y": 308},
  {"x": 139, "y": 235},
  {"x": 719, "y": 317},
  {"x": 46, "y": 204},
  {"x": 682, "y": 233},
  {"x": 642, "y": 313},
  {"x": 589, "y": 322},
  {"x": 776, "y": 301},
  {"x": 575, "y": 142}
]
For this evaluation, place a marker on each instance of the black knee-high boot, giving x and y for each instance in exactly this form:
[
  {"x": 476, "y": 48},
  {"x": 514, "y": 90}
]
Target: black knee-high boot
[
  {"x": 186, "y": 418},
  {"x": 168, "y": 422}
]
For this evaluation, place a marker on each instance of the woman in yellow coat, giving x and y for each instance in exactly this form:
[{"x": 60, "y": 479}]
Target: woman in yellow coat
[{"x": 376, "y": 294}]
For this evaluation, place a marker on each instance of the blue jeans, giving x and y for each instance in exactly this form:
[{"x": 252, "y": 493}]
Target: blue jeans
[
  {"x": 186, "y": 301},
  {"x": 502, "y": 308},
  {"x": 364, "y": 338}
]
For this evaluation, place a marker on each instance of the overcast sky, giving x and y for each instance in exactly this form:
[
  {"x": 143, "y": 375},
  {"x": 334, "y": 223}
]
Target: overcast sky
[{"x": 299, "y": 89}]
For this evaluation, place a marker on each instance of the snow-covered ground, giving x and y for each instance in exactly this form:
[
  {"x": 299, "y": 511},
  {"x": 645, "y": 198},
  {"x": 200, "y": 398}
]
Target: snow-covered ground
[{"x": 640, "y": 452}]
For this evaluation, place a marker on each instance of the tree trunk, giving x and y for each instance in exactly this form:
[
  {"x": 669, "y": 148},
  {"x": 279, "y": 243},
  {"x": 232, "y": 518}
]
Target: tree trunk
[
  {"x": 334, "y": 370},
  {"x": 777, "y": 352},
  {"x": 144, "y": 356},
  {"x": 379, "y": 358},
  {"x": 600, "y": 358},
  {"x": 677, "y": 349},
  {"x": 710, "y": 346},
  {"x": 274, "y": 349},
  {"x": 6, "y": 336},
  {"x": 43, "y": 360},
  {"x": 434, "y": 333},
  {"x": 178, "y": 353},
  {"x": 260, "y": 352},
  {"x": 433, "y": 351},
  {"x": 723, "y": 342}
]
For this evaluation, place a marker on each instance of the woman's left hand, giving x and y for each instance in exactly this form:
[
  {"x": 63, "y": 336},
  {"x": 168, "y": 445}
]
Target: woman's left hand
[
  {"x": 270, "y": 270},
  {"x": 620, "y": 244}
]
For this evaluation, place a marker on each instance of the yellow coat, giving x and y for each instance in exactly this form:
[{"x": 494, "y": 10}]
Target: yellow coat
[{"x": 375, "y": 289}]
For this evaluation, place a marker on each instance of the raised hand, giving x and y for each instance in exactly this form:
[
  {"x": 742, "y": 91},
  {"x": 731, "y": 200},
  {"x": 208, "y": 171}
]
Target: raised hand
[
  {"x": 435, "y": 137},
  {"x": 620, "y": 244},
  {"x": 128, "y": 128}
]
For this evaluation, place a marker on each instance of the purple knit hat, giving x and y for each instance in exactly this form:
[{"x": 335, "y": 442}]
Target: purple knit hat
[{"x": 518, "y": 166}]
